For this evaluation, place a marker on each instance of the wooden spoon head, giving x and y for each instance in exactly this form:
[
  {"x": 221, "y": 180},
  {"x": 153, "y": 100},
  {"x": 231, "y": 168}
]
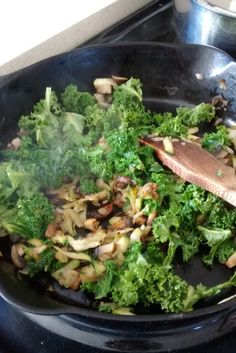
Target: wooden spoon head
[{"x": 195, "y": 165}]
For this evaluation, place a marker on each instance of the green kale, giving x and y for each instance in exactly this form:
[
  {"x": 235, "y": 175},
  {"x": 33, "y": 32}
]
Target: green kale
[
  {"x": 219, "y": 216},
  {"x": 120, "y": 155},
  {"x": 72, "y": 129},
  {"x": 215, "y": 240},
  {"x": 200, "y": 291},
  {"x": 44, "y": 263},
  {"x": 16, "y": 181},
  {"x": 194, "y": 116},
  {"x": 127, "y": 102},
  {"x": 173, "y": 128},
  {"x": 103, "y": 287},
  {"x": 30, "y": 217},
  {"x": 75, "y": 101},
  {"x": 43, "y": 123},
  {"x": 215, "y": 141},
  {"x": 225, "y": 250},
  {"x": 142, "y": 282}
]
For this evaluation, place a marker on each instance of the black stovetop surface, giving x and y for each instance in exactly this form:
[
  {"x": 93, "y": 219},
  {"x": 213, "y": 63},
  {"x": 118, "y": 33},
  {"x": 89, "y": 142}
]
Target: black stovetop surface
[{"x": 19, "y": 332}]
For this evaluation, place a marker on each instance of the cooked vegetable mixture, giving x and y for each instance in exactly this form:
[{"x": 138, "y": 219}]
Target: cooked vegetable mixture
[{"x": 82, "y": 199}]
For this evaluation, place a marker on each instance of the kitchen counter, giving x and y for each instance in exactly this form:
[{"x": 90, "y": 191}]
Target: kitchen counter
[{"x": 33, "y": 30}]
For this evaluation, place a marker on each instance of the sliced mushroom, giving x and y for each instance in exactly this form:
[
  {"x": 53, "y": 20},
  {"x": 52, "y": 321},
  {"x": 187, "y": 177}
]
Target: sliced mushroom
[
  {"x": 91, "y": 224},
  {"x": 15, "y": 144},
  {"x": 17, "y": 255},
  {"x": 105, "y": 252},
  {"x": 136, "y": 235},
  {"x": 51, "y": 230},
  {"x": 103, "y": 100},
  {"x": 231, "y": 262},
  {"x": 121, "y": 182},
  {"x": 123, "y": 243},
  {"x": 67, "y": 275},
  {"x": 104, "y": 85},
  {"x": 97, "y": 197},
  {"x": 151, "y": 218},
  {"x": 93, "y": 272},
  {"x": 119, "y": 223},
  {"x": 101, "y": 213},
  {"x": 91, "y": 241},
  {"x": 119, "y": 79},
  {"x": 73, "y": 255},
  {"x": 148, "y": 191}
]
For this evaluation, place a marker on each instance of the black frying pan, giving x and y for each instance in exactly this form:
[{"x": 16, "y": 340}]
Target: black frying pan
[{"x": 170, "y": 77}]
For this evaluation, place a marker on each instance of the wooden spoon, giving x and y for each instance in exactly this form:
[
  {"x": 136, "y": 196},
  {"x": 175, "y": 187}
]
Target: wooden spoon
[{"x": 195, "y": 165}]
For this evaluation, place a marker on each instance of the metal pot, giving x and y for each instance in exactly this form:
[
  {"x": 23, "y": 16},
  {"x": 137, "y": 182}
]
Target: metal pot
[{"x": 206, "y": 22}]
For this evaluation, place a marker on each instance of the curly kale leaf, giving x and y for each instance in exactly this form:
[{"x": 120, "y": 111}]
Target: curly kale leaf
[
  {"x": 16, "y": 181},
  {"x": 127, "y": 102},
  {"x": 43, "y": 123},
  {"x": 173, "y": 127},
  {"x": 142, "y": 282},
  {"x": 214, "y": 141},
  {"x": 194, "y": 116},
  {"x": 45, "y": 262},
  {"x": 30, "y": 217},
  {"x": 225, "y": 250},
  {"x": 75, "y": 101},
  {"x": 120, "y": 155},
  {"x": 215, "y": 239},
  {"x": 200, "y": 292},
  {"x": 103, "y": 287}
]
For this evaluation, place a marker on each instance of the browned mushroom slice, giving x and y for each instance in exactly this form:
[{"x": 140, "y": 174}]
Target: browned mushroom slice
[
  {"x": 121, "y": 222},
  {"x": 119, "y": 79},
  {"x": 17, "y": 253},
  {"x": 68, "y": 274},
  {"x": 101, "y": 213},
  {"x": 148, "y": 191},
  {"x": 92, "y": 240},
  {"x": 92, "y": 272},
  {"x": 91, "y": 224},
  {"x": 121, "y": 182},
  {"x": 15, "y": 144},
  {"x": 103, "y": 100},
  {"x": 51, "y": 230},
  {"x": 231, "y": 262},
  {"x": 104, "y": 85},
  {"x": 106, "y": 251},
  {"x": 151, "y": 218}
]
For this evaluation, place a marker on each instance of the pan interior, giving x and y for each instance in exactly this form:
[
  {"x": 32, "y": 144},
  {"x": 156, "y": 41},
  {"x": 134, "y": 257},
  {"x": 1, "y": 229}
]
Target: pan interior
[{"x": 169, "y": 80}]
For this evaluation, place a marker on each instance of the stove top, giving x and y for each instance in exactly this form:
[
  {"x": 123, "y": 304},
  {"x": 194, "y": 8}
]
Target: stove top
[{"x": 23, "y": 332}]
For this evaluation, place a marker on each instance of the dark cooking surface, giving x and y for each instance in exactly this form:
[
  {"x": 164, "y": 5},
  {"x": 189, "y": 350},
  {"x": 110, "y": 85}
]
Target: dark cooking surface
[{"x": 20, "y": 332}]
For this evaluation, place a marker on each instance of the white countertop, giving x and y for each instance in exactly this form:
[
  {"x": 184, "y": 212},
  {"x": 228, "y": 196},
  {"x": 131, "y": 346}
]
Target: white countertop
[{"x": 32, "y": 30}]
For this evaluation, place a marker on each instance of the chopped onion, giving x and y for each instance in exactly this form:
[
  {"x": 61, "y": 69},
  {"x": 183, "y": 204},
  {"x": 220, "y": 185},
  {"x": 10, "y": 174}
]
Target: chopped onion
[{"x": 168, "y": 146}]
